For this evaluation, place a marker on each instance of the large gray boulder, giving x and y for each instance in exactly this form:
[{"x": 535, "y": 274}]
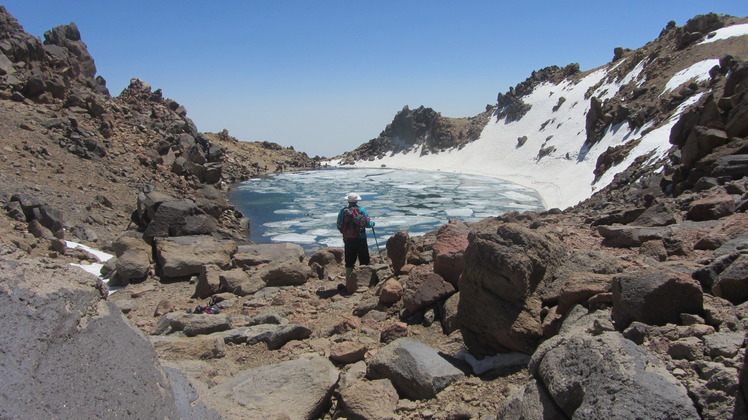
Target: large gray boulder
[
  {"x": 499, "y": 306},
  {"x": 654, "y": 296},
  {"x": 608, "y": 376},
  {"x": 59, "y": 334},
  {"x": 256, "y": 254},
  {"x": 417, "y": 370},
  {"x": 184, "y": 255},
  {"x": 295, "y": 389}
]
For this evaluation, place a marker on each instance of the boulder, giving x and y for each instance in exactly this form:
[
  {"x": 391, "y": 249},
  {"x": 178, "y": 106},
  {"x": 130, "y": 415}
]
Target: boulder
[
  {"x": 348, "y": 352},
  {"x": 688, "y": 348},
  {"x": 449, "y": 311},
  {"x": 287, "y": 273},
  {"x": 256, "y": 254},
  {"x": 147, "y": 205},
  {"x": 184, "y": 255},
  {"x": 58, "y": 330},
  {"x": 393, "y": 332},
  {"x": 417, "y": 370},
  {"x": 133, "y": 265},
  {"x": 39, "y": 231},
  {"x": 208, "y": 281},
  {"x": 732, "y": 282},
  {"x": 49, "y": 217},
  {"x": 734, "y": 166},
  {"x": 499, "y": 309},
  {"x": 579, "y": 287},
  {"x": 424, "y": 288},
  {"x": 532, "y": 402},
  {"x": 239, "y": 282},
  {"x": 363, "y": 400},
  {"x": 724, "y": 344},
  {"x": 181, "y": 348},
  {"x": 608, "y": 376},
  {"x": 398, "y": 246},
  {"x": 131, "y": 242},
  {"x": 191, "y": 324},
  {"x": 711, "y": 208},
  {"x": 361, "y": 279},
  {"x": 327, "y": 256},
  {"x": 654, "y": 297},
  {"x": 274, "y": 335},
  {"x": 656, "y": 215},
  {"x": 391, "y": 291},
  {"x": 295, "y": 389},
  {"x": 631, "y": 236},
  {"x": 179, "y": 218},
  {"x": 449, "y": 250}
]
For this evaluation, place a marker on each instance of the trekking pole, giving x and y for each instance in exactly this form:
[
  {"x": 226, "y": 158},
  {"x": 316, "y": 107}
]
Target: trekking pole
[{"x": 375, "y": 238}]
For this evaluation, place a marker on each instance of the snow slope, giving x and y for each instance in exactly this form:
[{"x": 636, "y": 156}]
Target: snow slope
[{"x": 564, "y": 176}]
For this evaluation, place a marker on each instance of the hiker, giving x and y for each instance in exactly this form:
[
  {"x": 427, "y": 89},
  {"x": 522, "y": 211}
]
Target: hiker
[{"x": 352, "y": 223}]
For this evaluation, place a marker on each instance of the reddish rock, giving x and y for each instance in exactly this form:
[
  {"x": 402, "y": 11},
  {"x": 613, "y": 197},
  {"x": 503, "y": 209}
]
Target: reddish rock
[
  {"x": 449, "y": 250},
  {"x": 579, "y": 287},
  {"x": 424, "y": 288},
  {"x": 348, "y": 352},
  {"x": 345, "y": 325},
  {"x": 164, "y": 307},
  {"x": 398, "y": 246},
  {"x": 375, "y": 399},
  {"x": 391, "y": 291},
  {"x": 393, "y": 331}
]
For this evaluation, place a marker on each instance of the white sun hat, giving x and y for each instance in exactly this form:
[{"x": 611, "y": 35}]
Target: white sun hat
[{"x": 353, "y": 197}]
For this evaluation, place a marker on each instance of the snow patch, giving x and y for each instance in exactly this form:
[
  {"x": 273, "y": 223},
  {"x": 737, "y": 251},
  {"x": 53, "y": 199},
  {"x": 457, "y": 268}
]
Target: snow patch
[
  {"x": 727, "y": 32},
  {"x": 698, "y": 72}
]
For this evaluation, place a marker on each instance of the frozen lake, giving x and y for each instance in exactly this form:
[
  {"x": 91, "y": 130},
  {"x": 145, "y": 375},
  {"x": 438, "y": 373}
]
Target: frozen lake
[{"x": 302, "y": 207}]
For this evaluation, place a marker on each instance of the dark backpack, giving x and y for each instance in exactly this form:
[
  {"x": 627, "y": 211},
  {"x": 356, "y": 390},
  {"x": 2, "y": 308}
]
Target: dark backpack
[{"x": 354, "y": 222}]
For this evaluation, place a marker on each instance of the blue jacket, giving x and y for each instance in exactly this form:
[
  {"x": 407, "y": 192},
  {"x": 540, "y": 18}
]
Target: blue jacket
[{"x": 362, "y": 233}]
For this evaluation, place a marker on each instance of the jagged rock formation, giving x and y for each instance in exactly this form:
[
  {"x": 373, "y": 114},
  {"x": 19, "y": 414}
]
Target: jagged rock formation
[{"x": 419, "y": 127}]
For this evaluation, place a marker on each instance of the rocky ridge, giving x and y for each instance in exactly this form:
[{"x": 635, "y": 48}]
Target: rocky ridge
[{"x": 633, "y": 302}]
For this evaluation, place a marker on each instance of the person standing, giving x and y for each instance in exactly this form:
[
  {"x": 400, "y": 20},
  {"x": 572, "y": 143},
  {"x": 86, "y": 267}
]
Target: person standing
[{"x": 352, "y": 223}]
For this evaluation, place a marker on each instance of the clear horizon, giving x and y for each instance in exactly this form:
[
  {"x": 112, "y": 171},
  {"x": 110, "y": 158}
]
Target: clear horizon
[{"x": 325, "y": 77}]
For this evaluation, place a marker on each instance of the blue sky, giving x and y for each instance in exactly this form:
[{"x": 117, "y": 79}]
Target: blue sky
[{"x": 326, "y": 76}]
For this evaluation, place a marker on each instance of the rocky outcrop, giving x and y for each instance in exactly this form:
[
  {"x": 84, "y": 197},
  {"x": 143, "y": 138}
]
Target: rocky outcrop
[{"x": 421, "y": 127}]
